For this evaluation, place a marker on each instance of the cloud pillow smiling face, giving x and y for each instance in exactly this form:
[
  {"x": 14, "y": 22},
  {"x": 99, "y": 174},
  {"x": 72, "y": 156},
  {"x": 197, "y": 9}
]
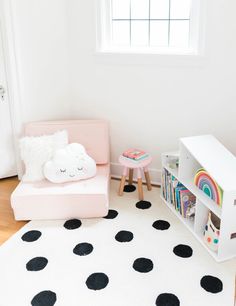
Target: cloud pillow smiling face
[{"x": 71, "y": 163}]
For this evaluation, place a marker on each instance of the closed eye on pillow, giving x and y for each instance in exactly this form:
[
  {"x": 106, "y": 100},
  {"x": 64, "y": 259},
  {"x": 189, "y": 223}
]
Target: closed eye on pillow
[{"x": 71, "y": 163}]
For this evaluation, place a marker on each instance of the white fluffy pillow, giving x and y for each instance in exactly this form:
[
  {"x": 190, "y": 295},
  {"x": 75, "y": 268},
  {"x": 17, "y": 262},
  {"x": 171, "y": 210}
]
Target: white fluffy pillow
[
  {"x": 70, "y": 164},
  {"x": 36, "y": 151}
]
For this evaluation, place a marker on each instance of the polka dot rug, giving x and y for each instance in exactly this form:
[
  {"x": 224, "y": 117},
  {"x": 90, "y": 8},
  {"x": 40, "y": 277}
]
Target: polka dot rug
[{"x": 140, "y": 254}]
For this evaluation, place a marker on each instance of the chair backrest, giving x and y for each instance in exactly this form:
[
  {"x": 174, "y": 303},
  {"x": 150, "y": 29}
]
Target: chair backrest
[{"x": 92, "y": 134}]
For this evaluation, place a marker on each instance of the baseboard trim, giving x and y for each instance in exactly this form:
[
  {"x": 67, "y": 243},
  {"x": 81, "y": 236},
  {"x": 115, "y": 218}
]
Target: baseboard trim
[{"x": 155, "y": 174}]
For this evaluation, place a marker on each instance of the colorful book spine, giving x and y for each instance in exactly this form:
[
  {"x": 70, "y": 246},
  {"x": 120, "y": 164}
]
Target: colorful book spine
[{"x": 137, "y": 160}]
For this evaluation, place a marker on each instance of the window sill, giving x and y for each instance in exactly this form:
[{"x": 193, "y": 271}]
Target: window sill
[{"x": 144, "y": 57}]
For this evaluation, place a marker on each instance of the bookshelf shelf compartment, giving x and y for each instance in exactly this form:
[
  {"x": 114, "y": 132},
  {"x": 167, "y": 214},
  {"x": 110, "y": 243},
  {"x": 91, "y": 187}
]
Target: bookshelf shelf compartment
[
  {"x": 208, "y": 153},
  {"x": 205, "y": 200},
  {"x": 189, "y": 224}
]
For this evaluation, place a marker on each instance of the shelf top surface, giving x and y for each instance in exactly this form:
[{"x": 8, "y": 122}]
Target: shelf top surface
[{"x": 219, "y": 162}]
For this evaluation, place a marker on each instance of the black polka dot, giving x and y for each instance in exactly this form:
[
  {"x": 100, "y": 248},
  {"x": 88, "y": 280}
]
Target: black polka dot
[
  {"x": 97, "y": 281},
  {"x": 211, "y": 284},
  {"x": 44, "y": 298},
  {"x": 161, "y": 225},
  {"x": 83, "y": 249},
  {"x": 72, "y": 224},
  {"x": 124, "y": 236},
  {"x": 36, "y": 264},
  {"x": 31, "y": 236},
  {"x": 167, "y": 299},
  {"x": 183, "y": 250},
  {"x": 143, "y": 204},
  {"x": 143, "y": 265},
  {"x": 129, "y": 188},
  {"x": 112, "y": 214}
]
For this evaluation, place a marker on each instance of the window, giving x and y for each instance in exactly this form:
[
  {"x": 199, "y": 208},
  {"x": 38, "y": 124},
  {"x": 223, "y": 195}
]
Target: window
[{"x": 152, "y": 26}]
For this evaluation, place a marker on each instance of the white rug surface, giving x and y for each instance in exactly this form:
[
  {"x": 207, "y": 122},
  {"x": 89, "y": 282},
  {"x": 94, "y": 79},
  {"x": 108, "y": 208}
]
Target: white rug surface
[{"x": 91, "y": 265}]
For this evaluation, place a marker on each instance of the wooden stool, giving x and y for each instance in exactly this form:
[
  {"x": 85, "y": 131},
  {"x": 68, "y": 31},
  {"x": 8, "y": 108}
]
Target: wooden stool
[{"x": 140, "y": 166}]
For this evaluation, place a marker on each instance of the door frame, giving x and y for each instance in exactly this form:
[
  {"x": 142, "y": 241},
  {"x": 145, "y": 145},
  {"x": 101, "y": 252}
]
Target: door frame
[{"x": 12, "y": 75}]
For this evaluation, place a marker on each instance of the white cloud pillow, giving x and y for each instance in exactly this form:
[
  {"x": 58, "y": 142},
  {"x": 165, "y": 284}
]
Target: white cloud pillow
[
  {"x": 70, "y": 164},
  {"x": 36, "y": 151}
]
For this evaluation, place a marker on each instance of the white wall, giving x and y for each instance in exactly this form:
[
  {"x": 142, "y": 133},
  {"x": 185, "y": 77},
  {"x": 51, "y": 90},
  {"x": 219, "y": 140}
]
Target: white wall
[
  {"x": 40, "y": 28},
  {"x": 152, "y": 105},
  {"x": 149, "y": 105}
]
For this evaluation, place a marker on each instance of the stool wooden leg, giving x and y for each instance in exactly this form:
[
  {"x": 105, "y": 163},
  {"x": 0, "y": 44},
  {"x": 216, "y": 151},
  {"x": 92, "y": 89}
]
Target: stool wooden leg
[
  {"x": 147, "y": 177},
  {"x": 122, "y": 182},
  {"x": 140, "y": 185},
  {"x": 131, "y": 174}
]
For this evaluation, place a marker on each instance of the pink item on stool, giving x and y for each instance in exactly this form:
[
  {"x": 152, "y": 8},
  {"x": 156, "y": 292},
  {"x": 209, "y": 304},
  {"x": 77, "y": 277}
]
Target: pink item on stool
[{"x": 82, "y": 199}]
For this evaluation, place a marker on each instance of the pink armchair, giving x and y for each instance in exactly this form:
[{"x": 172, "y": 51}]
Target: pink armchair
[{"x": 82, "y": 199}]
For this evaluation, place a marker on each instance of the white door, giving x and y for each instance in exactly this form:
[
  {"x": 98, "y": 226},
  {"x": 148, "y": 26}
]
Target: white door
[{"x": 7, "y": 154}]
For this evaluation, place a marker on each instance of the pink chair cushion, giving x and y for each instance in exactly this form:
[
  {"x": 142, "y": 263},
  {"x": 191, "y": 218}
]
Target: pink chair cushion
[
  {"x": 92, "y": 134},
  {"x": 82, "y": 199}
]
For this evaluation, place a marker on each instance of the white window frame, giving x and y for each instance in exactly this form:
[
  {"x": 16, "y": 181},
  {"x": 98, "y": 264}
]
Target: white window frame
[{"x": 104, "y": 36}]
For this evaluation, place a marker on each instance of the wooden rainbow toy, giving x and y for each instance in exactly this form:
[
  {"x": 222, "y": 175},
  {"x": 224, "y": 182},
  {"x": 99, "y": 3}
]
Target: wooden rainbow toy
[{"x": 208, "y": 185}]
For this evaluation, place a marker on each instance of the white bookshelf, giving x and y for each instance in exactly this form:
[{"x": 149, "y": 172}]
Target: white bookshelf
[{"x": 208, "y": 153}]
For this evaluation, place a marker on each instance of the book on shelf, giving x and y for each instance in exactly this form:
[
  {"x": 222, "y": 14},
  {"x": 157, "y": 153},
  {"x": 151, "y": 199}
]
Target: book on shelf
[
  {"x": 177, "y": 195},
  {"x": 135, "y": 154},
  {"x": 178, "y": 189},
  {"x": 186, "y": 199}
]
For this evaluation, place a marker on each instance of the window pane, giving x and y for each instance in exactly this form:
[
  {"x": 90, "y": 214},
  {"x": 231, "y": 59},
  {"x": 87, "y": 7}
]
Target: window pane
[
  {"x": 179, "y": 33},
  {"x": 121, "y": 33},
  {"x": 159, "y": 9},
  {"x": 120, "y": 9},
  {"x": 159, "y": 33},
  {"x": 139, "y": 9},
  {"x": 139, "y": 33},
  {"x": 180, "y": 9}
]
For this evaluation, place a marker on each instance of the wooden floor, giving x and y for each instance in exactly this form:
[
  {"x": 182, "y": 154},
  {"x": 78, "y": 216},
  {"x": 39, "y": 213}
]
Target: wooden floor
[{"x": 8, "y": 225}]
